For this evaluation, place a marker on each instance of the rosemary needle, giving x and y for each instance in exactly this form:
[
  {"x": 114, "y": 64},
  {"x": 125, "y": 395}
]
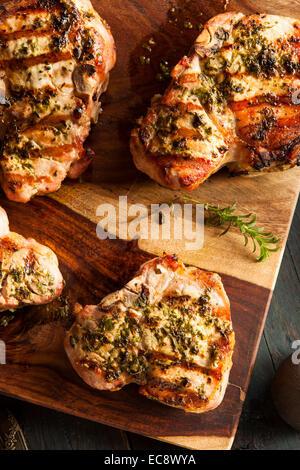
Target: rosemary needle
[{"x": 217, "y": 216}]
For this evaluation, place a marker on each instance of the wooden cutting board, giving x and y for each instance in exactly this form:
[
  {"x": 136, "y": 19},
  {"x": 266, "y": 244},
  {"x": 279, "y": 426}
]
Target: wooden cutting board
[{"x": 37, "y": 369}]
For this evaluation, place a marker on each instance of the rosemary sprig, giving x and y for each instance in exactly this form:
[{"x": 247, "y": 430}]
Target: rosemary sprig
[{"x": 217, "y": 216}]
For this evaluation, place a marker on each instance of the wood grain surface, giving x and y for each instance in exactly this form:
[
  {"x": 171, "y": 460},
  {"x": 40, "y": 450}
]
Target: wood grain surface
[{"x": 37, "y": 369}]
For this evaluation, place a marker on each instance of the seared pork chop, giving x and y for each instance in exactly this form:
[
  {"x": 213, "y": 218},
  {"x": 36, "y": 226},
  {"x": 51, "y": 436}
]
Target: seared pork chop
[
  {"x": 168, "y": 330},
  {"x": 29, "y": 273},
  {"x": 233, "y": 101},
  {"x": 55, "y": 58}
]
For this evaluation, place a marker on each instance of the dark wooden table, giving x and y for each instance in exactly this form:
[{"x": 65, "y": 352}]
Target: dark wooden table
[{"x": 260, "y": 426}]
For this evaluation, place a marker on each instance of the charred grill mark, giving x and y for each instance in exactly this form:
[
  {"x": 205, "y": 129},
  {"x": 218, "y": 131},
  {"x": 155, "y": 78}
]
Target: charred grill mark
[
  {"x": 122, "y": 347},
  {"x": 84, "y": 51},
  {"x": 57, "y": 152},
  {"x": 40, "y": 96},
  {"x": 12, "y": 9},
  {"x": 144, "y": 135},
  {"x": 257, "y": 55},
  {"x": 27, "y": 50},
  {"x": 48, "y": 4},
  {"x": 260, "y": 159},
  {"x": 34, "y": 20}
]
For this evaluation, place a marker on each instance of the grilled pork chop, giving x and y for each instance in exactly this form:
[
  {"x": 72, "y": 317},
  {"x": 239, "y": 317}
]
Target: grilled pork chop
[
  {"x": 55, "y": 58},
  {"x": 29, "y": 272},
  {"x": 233, "y": 101},
  {"x": 168, "y": 330}
]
